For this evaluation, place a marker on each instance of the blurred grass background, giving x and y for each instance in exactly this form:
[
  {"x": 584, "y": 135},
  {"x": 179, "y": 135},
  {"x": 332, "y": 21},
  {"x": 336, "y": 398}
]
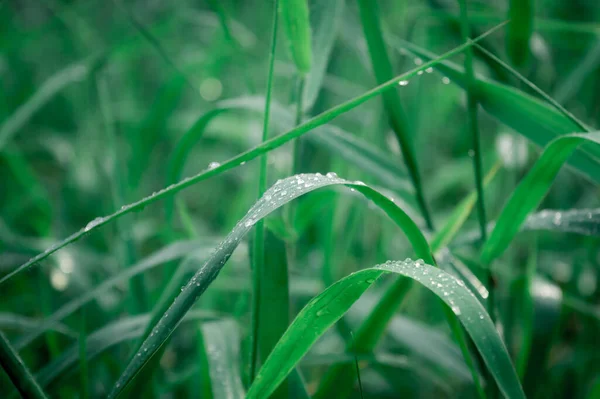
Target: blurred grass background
[{"x": 96, "y": 96}]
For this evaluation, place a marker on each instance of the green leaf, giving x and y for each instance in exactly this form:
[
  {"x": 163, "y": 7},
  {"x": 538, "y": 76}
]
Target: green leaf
[
  {"x": 17, "y": 371},
  {"x": 281, "y": 193},
  {"x": 242, "y": 158},
  {"x": 530, "y": 192},
  {"x": 296, "y": 24},
  {"x": 520, "y": 28},
  {"x": 222, "y": 346},
  {"x": 328, "y": 307},
  {"x": 326, "y": 18}
]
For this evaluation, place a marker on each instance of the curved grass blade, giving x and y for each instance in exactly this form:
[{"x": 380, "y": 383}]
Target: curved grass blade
[
  {"x": 18, "y": 372},
  {"x": 51, "y": 87},
  {"x": 518, "y": 34},
  {"x": 530, "y": 192},
  {"x": 253, "y": 153},
  {"x": 327, "y": 16},
  {"x": 278, "y": 195},
  {"x": 328, "y": 307},
  {"x": 169, "y": 253},
  {"x": 296, "y": 24},
  {"x": 382, "y": 67},
  {"x": 222, "y": 345}
]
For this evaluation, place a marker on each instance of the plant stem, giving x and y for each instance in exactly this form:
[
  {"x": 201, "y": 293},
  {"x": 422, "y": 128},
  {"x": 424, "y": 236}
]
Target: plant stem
[{"x": 18, "y": 373}]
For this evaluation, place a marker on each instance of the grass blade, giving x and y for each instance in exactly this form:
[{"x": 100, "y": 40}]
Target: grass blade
[
  {"x": 472, "y": 121},
  {"x": 328, "y": 307},
  {"x": 277, "y": 196},
  {"x": 18, "y": 372},
  {"x": 530, "y": 192},
  {"x": 260, "y": 271},
  {"x": 382, "y": 67},
  {"x": 518, "y": 34},
  {"x": 460, "y": 214},
  {"x": 274, "y": 314},
  {"x": 50, "y": 88},
  {"x": 253, "y": 153},
  {"x": 222, "y": 345},
  {"x": 327, "y": 17},
  {"x": 296, "y": 25}
]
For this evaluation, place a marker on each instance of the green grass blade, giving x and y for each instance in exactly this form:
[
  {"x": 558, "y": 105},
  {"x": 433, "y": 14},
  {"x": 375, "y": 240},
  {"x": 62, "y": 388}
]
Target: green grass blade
[
  {"x": 328, "y": 307},
  {"x": 518, "y": 34},
  {"x": 49, "y": 89},
  {"x": 274, "y": 315},
  {"x": 530, "y": 117},
  {"x": 579, "y": 221},
  {"x": 530, "y": 192},
  {"x": 17, "y": 371},
  {"x": 277, "y": 196},
  {"x": 326, "y": 18},
  {"x": 296, "y": 25},
  {"x": 260, "y": 270},
  {"x": 472, "y": 121},
  {"x": 253, "y": 153},
  {"x": 222, "y": 345},
  {"x": 181, "y": 151},
  {"x": 547, "y": 309},
  {"x": 459, "y": 216},
  {"x": 382, "y": 67}
]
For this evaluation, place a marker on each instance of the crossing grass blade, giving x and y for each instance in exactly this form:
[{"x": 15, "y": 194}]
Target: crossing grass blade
[
  {"x": 253, "y": 153},
  {"x": 18, "y": 372},
  {"x": 329, "y": 306},
  {"x": 531, "y": 190},
  {"x": 277, "y": 196},
  {"x": 382, "y": 68},
  {"x": 295, "y": 21}
]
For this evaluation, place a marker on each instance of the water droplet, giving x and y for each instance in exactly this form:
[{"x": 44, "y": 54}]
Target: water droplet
[
  {"x": 370, "y": 281},
  {"x": 323, "y": 312},
  {"x": 250, "y": 222},
  {"x": 418, "y": 61},
  {"x": 445, "y": 80},
  {"x": 456, "y": 310},
  {"x": 403, "y": 82},
  {"x": 420, "y": 73},
  {"x": 93, "y": 224},
  {"x": 332, "y": 175},
  {"x": 429, "y": 70},
  {"x": 213, "y": 165}
]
